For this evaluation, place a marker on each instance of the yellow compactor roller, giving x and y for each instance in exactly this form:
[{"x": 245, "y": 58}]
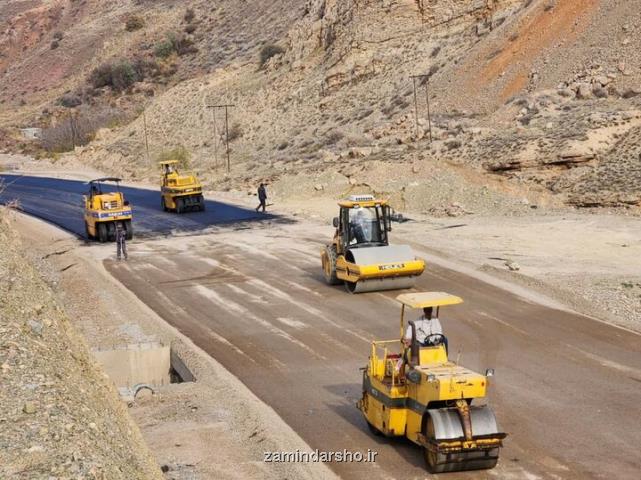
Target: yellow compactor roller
[
  {"x": 179, "y": 192},
  {"x": 104, "y": 207},
  {"x": 415, "y": 391},
  {"x": 360, "y": 255}
]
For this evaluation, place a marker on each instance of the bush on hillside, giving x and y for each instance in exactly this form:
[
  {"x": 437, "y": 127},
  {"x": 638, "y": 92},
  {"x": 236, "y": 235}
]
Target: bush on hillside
[
  {"x": 175, "y": 43},
  {"x": 189, "y": 15},
  {"x": 269, "y": 51},
  {"x": 134, "y": 23},
  {"x": 122, "y": 74}
]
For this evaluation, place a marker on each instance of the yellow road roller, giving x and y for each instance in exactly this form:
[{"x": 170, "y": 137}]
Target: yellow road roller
[
  {"x": 104, "y": 207},
  {"x": 413, "y": 390},
  {"x": 179, "y": 192},
  {"x": 360, "y": 255}
]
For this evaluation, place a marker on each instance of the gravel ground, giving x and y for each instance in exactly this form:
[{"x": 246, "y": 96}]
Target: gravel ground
[{"x": 60, "y": 416}]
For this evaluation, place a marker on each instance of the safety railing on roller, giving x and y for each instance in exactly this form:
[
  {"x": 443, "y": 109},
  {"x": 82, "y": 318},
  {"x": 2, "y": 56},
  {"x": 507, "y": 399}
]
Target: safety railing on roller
[{"x": 384, "y": 366}]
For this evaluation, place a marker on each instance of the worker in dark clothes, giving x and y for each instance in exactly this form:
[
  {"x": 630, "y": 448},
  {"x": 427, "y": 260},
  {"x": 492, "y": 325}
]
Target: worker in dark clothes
[
  {"x": 262, "y": 197},
  {"x": 121, "y": 241}
]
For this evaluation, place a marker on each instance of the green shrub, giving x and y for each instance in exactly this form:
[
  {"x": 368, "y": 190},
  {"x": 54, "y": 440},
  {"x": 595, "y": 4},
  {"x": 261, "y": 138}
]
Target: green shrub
[
  {"x": 123, "y": 75},
  {"x": 134, "y": 23},
  {"x": 177, "y": 43},
  {"x": 119, "y": 75},
  {"x": 164, "y": 49},
  {"x": 268, "y": 51}
]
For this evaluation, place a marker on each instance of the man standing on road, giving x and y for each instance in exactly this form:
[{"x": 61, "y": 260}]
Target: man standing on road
[
  {"x": 121, "y": 241},
  {"x": 262, "y": 197}
]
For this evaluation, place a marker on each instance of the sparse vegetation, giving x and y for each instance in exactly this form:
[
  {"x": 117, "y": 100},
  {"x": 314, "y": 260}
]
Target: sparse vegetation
[
  {"x": 235, "y": 132},
  {"x": 55, "y": 44},
  {"x": 58, "y": 36},
  {"x": 78, "y": 129},
  {"x": 70, "y": 100},
  {"x": 121, "y": 74},
  {"x": 175, "y": 43},
  {"x": 191, "y": 28},
  {"x": 190, "y": 15},
  {"x": 179, "y": 153},
  {"x": 269, "y": 51},
  {"x": 134, "y": 23}
]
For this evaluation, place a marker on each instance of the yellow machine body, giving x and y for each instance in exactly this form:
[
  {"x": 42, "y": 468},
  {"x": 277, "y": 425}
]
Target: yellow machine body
[
  {"x": 418, "y": 393},
  {"x": 360, "y": 255},
  {"x": 104, "y": 207},
  {"x": 180, "y": 192}
]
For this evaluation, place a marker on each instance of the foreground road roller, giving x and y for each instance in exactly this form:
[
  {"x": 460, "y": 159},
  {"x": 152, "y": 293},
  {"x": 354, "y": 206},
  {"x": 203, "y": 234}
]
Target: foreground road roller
[
  {"x": 417, "y": 392},
  {"x": 105, "y": 206},
  {"x": 360, "y": 255},
  {"x": 179, "y": 192}
]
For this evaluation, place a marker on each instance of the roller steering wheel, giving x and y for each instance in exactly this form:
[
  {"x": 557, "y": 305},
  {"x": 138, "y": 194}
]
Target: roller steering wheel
[{"x": 434, "y": 340}]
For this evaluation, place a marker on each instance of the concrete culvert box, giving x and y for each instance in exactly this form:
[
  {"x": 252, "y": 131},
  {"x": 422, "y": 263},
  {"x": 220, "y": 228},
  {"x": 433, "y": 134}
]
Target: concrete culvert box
[{"x": 133, "y": 364}]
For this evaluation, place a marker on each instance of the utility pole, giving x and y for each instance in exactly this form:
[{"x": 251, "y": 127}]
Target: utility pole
[
  {"x": 144, "y": 122},
  {"x": 72, "y": 125},
  {"x": 426, "y": 80},
  {"x": 226, "y": 107}
]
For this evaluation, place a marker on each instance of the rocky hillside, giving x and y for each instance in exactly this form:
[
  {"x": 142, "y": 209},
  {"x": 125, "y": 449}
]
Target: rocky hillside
[
  {"x": 544, "y": 93},
  {"x": 61, "y": 417}
]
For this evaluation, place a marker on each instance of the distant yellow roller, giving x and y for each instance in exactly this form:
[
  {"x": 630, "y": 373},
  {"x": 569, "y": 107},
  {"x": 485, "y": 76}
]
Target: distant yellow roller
[{"x": 360, "y": 255}]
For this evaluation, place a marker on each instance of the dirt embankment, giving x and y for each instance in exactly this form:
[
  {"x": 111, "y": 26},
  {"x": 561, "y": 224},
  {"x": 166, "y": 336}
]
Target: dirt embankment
[{"x": 60, "y": 416}]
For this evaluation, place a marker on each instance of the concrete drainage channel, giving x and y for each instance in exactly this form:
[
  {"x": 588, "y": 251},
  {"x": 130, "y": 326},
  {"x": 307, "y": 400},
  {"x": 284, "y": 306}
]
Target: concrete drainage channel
[{"x": 140, "y": 369}]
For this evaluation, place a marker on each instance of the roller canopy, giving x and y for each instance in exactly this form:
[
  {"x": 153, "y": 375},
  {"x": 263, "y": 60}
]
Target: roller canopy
[
  {"x": 428, "y": 299},
  {"x": 105, "y": 179}
]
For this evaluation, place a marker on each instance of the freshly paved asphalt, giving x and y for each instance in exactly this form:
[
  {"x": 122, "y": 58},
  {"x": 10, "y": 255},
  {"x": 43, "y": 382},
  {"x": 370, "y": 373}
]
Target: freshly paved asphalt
[{"x": 59, "y": 201}]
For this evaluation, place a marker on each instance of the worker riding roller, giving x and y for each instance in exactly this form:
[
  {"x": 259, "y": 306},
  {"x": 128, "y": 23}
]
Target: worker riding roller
[
  {"x": 360, "y": 255},
  {"x": 179, "y": 192},
  {"x": 411, "y": 389}
]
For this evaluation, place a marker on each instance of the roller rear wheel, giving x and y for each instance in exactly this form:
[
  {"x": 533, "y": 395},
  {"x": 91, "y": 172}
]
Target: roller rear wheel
[
  {"x": 103, "y": 235},
  {"x": 129, "y": 229},
  {"x": 179, "y": 205}
]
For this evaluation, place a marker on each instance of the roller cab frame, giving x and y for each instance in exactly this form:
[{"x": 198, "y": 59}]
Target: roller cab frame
[
  {"x": 360, "y": 255},
  {"x": 104, "y": 207},
  {"x": 179, "y": 192},
  {"x": 418, "y": 393}
]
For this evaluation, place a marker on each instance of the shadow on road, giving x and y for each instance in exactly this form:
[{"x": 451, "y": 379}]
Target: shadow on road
[{"x": 346, "y": 409}]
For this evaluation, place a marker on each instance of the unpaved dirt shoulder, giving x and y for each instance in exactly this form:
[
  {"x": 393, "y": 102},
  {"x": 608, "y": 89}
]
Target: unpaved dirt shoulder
[
  {"x": 60, "y": 415},
  {"x": 212, "y": 428}
]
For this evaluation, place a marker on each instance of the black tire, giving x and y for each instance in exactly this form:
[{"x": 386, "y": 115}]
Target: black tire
[
  {"x": 103, "y": 236},
  {"x": 162, "y": 203},
  {"x": 329, "y": 267},
  {"x": 87, "y": 234},
  {"x": 111, "y": 231},
  {"x": 201, "y": 205},
  {"x": 179, "y": 205},
  {"x": 129, "y": 228}
]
